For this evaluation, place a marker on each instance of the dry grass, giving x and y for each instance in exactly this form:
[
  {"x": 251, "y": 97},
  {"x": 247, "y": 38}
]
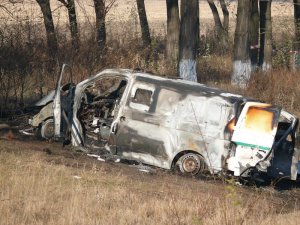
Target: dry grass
[
  {"x": 36, "y": 188},
  {"x": 279, "y": 87}
]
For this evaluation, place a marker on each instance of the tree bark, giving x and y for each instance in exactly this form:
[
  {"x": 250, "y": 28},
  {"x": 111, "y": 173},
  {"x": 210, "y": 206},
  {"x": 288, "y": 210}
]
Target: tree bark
[
  {"x": 297, "y": 23},
  {"x": 143, "y": 22},
  {"x": 49, "y": 26},
  {"x": 100, "y": 12},
  {"x": 242, "y": 64},
  {"x": 188, "y": 39},
  {"x": 73, "y": 24},
  {"x": 265, "y": 54},
  {"x": 297, "y": 34},
  {"x": 70, "y": 5},
  {"x": 221, "y": 32},
  {"x": 253, "y": 29},
  {"x": 225, "y": 15},
  {"x": 173, "y": 28},
  {"x": 262, "y": 29},
  {"x": 216, "y": 16}
]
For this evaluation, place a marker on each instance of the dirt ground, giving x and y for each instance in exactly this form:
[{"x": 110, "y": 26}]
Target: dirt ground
[{"x": 43, "y": 183}]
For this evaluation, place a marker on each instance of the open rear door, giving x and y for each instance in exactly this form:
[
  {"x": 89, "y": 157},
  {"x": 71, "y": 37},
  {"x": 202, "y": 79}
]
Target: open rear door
[{"x": 254, "y": 136}]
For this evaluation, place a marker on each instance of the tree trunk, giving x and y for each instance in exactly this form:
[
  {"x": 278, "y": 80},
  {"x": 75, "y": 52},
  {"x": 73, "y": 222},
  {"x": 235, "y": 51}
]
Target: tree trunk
[
  {"x": 49, "y": 26},
  {"x": 225, "y": 15},
  {"x": 297, "y": 34},
  {"x": 188, "y": 39},
  {"x": 73, "y": 24},
  {"x": 214, "y": 10},
  {"x": 262, "y": 29},
  {"x": 253, "y": 28},
  {"x": 265, "y": 54},
  {"x": 242, "y": 64},
  {"x": 221, "y": 33},
  {"x": 173, "y": 28},
  {"x": 100, "y": 23},
  {"x": 143, "y": 22},
  {"x": 297, "y": 23}
]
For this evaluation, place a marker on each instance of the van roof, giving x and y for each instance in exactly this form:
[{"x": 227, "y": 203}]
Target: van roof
[
  {"x": 183, "y": 86},
  {"x": 187, "y": 86}
]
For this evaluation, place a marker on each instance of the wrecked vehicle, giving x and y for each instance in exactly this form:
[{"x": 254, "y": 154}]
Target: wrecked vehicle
[
  {"x": 42, "y": 123},
  {"x": 171, "y": 123}
]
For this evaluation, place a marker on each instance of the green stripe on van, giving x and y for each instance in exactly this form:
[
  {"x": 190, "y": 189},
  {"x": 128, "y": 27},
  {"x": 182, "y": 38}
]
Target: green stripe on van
[{"x": 253, "y": 146}]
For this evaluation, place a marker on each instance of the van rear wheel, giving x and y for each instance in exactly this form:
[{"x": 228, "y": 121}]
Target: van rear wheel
[{"x": 191, "y": 164}]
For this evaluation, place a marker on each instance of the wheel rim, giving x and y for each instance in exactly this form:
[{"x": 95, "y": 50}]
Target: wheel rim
[{"x": 191, "y": 164}]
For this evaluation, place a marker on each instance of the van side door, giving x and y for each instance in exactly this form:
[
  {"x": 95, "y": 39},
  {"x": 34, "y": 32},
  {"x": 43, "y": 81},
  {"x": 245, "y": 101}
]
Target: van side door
[{"x": 139, "y": 134}]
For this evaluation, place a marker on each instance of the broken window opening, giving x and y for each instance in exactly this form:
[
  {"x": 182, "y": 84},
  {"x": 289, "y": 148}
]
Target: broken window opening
[
  {"x": 142, "y": 96},
  {"x": 259, "y": 120},
  {"x": 98, "y": 108},
  {"x": 141, "y": 99}
]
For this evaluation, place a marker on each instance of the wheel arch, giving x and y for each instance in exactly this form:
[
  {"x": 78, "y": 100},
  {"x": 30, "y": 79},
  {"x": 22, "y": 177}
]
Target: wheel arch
[{"x": 43, "y": 121}]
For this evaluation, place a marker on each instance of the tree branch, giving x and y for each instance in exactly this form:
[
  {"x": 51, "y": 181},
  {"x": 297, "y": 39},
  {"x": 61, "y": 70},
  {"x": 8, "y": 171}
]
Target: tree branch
[
  {"x": 5, "y": 9},
  {"x": 109, "y": 5},
  {"x": 64, "y": 2}
]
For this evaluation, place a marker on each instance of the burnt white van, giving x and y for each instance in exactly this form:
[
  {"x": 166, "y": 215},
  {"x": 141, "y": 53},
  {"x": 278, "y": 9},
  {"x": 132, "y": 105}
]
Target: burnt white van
[{"x": 172, "y": 123}]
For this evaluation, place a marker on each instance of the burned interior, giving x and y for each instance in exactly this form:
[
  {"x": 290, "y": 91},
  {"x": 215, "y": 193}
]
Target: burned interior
[{"x": 98, "y": 107}]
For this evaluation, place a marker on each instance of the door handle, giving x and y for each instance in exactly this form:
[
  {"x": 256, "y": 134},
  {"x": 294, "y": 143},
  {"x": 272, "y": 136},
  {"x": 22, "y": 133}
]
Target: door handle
[{"x": 122, "y": 118}]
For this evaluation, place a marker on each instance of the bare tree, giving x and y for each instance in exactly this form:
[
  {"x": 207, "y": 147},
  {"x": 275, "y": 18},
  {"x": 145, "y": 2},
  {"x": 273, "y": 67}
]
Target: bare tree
[
  {"x": 297, "y": 23},
  {"x": 265, "y": 53},
  {"x": 100, "y": 23},
  {"x": 173, "y": 28},
  {"x": 70, "y": 5},
  {"x": 254, "y": 34},
  {"x": 225, "y": 15},
  {"x": 102, "y": 7},
  {"x": 188, "y": 39},
  {"x": 49, "y": 26},
  {"x": 216, "y": 16},
  {"x": 143, "y": 22},
  {"x": 221, "y": 29},
  {"x": 242, "y": 64},
  {"x": 297, "y": 32}
]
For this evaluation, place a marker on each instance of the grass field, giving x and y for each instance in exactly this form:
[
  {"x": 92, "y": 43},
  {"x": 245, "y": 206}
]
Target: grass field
[{"x": 41, "y": 183}]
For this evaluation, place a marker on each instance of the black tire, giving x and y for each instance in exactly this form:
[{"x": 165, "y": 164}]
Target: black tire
[
  {"x": 47, "y": 129},
  {"x": 191, "y": 164}
]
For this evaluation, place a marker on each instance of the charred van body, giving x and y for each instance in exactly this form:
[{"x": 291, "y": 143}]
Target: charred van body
[{"x": 172, "y": 123}]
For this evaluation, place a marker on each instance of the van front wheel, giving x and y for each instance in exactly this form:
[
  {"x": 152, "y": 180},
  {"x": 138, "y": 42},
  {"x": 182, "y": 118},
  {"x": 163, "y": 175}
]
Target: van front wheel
[
  {"x": 190, "y": 164},
  {"x": 47, "y": 129}
]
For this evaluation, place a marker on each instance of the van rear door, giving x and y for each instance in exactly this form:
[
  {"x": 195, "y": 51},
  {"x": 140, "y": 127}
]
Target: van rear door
[
  {"x": 254, "y": 135},
  {"x": 257, "y": 126}
]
